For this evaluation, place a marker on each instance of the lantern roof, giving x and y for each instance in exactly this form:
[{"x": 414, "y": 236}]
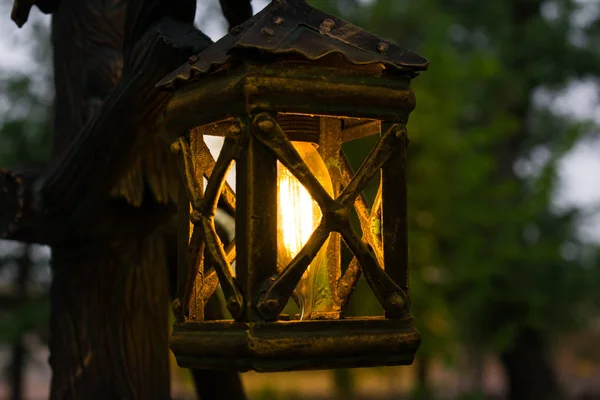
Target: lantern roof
[{"x": 294, "y": 28}]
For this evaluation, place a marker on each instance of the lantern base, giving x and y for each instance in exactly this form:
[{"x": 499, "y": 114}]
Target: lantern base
[{"x": 295, "y": 345}]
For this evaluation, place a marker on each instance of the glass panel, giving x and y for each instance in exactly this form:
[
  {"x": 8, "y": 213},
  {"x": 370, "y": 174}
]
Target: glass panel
[{"x": 297, "y": 217}]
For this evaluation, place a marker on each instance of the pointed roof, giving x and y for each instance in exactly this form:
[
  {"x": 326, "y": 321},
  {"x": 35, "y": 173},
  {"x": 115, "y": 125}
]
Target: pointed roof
[{"x": 292, "y": 27}]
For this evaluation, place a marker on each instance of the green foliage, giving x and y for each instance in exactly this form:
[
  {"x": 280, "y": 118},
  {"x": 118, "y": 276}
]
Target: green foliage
[
  {"x": 490, "y": 251},
  {"x": 25, "y": 123},
  {"x": 29, "y": 316}
]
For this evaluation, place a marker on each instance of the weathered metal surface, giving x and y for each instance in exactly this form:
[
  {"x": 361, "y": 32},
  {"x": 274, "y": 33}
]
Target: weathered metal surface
[
  {"x": 288, "y": 88},
  {"x": 233, "y": 295},
  {"x": 321, "y": 96},
  {"x": 271, "y": 136},
  {"x": 205, "y": 163},
  {"x": 295, "y": 345},
  {"x": 188, "y": 304},
  {"x": 348, "y": 282},
  {"x": 294, "y": 29},
  {"x": 394, "y": 221},
  {"x": 360, "y": 130},
  {"x": 264, "y": 290},
  {"x": 329, "y": 149},
  {"x": 256, "y": 226}
]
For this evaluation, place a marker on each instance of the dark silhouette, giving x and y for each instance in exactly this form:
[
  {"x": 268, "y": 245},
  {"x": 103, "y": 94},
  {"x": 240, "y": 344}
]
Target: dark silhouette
[{"x": 105, "y": 202}]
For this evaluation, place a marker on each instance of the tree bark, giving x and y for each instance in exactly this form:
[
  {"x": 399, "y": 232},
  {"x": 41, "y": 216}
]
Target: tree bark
[
  {"x": 110, "y": 297},
  {"x": 530, "y": 373},
  {"x": 105, "y": 192},
  {"x": 109, "y": 320}
]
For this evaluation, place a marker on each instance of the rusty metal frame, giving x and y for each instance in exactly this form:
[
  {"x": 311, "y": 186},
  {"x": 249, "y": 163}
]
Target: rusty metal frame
[{"x": 257, "y": 96}]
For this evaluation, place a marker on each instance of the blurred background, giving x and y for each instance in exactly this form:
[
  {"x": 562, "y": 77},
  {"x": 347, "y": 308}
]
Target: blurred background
[{"x": 504, "y": 201}]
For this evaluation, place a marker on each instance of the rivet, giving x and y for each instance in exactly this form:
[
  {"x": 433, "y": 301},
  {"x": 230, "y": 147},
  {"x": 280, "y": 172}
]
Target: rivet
[
  {"x": 327, "y": 25},
  {"x": 176, "y": 147},
  {"x": 397, "y": 301},
  {"x": 236, "y": 30},
  {"x": 279, "y": 21},
  {"x": 266, "y": 125},
  {"x": 234, "y": 306},
  {"x": 383, "y": 47},
  {"x": 232, "y": 302},
  {"x": 400, "y": 131},
  {"x": 234, "y": 130},
  {"x": 196, "y": 217},
  {"x": 192, "y": 60},
  {"x": 268, "y": 32},
  {"x": 177, "y": 306},
  {"x": 271, "y": 305}
]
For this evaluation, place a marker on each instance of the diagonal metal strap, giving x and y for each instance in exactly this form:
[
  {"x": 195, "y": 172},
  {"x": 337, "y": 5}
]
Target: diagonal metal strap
[
  {"x": 193, "y": 170},
  {"x": 360, "y": 203},
  {"x": 269, "y": 134},
  {"x": 216, "y": 183},
  {"x": 192, "y": 181},
  {"x": 211, "y": 280},
  {"x": 348, "y": 282},
  {"x": 379, "y": 155},
  {"x": 190, "y": 176},
  {"x": 390, "y": 295},
  {"x": 214, "y": 247},
  {"x": 195, "y": 256},
  {"x": 393, "y": 299},
  {"x": 277, "y": 295},
  {"x": 207, "y": 164}
]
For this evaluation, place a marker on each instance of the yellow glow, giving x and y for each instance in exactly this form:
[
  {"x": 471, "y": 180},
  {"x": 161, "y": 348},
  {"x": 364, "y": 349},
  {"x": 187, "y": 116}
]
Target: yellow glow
[{"x": 298, "y": 216}]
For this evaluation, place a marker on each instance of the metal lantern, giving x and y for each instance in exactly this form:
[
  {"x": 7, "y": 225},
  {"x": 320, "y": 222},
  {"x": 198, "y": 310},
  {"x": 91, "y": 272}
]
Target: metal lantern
[{"x": 285, "y": 90}]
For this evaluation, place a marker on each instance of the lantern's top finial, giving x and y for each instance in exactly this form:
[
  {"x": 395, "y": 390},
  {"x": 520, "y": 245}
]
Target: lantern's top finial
[{"x": 292, "y": 27}]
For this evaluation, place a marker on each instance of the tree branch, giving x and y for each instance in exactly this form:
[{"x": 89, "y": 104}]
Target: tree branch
[
  {"x": 21, "y": 9},
  {"x": 74, "y": 184}
]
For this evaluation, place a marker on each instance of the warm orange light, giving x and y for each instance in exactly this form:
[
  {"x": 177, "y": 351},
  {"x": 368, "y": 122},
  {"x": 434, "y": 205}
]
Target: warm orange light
[{"x": 298, "y": 216}]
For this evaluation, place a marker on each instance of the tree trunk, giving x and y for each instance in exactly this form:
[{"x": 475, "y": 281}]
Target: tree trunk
[
  {"x": 112, "y": 340},
  {"x": 19, "y": 351},
  {"x": 529, "y": 373},
  {"x": 110, "y": 294}
]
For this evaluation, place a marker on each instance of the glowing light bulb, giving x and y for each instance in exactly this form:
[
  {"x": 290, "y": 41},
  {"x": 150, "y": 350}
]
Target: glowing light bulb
[
  {"x": 298, "y": 216},
  {"x": 298, "y": 220}
]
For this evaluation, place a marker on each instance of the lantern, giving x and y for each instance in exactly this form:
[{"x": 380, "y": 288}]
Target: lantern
[{"x": 285, "y": 90}]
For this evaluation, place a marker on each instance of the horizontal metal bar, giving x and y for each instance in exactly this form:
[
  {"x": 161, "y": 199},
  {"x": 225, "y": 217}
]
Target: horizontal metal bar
[{"x": 361, "y": 130}]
